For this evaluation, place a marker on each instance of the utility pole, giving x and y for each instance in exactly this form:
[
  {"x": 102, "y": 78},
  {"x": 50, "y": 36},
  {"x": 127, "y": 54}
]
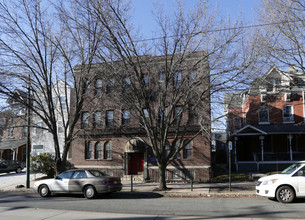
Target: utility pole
[{"x": 28, "y": 144}]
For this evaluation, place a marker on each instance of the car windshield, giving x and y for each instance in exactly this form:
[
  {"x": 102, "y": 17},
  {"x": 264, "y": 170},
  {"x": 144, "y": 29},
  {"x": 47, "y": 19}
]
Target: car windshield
[
  {"x": 292, "y": 168},
  {"x": 97, "y": 173}
]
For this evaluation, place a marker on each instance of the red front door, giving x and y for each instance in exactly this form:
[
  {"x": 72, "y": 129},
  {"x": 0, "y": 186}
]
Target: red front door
[{"x": 135, "y": 163}]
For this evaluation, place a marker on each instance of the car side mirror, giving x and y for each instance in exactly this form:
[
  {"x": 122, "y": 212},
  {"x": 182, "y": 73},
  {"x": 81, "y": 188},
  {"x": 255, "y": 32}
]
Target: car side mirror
[
  {"x": 58, "y": 178},
  {"x": 300, "y": 173}
]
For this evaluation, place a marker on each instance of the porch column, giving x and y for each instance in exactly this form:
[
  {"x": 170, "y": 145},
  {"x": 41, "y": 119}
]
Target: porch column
[
  {"x": 262, "y": 146},
  {"x": 290, "y": 145}
]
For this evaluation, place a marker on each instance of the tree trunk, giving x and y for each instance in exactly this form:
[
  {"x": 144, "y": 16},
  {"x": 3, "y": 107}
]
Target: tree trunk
[{"x": 162, "y": 179}]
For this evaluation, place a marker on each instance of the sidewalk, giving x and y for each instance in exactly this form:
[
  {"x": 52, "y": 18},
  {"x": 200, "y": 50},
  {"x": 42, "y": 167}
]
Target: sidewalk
[{"x": 244, "y": 189}]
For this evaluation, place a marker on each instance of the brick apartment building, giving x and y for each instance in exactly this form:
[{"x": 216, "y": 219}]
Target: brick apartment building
[
  {"x": 111, "y": 137},
  {"x": 266, "y": 122}
]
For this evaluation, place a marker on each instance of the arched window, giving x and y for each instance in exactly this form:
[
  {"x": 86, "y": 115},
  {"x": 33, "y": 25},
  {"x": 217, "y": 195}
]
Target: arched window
[
  {"x": 107, "y": 150},
  {"x": 98, "y": 150}
]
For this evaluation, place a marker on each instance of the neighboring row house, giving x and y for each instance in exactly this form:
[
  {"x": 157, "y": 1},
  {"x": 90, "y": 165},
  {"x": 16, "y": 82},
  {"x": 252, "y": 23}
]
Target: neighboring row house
[
  {"x": 111, "y": 139},
  {"x": 41, "y": 139},
  {"x": 266, "y": 122},
  {"x": 13, "y": 123}
]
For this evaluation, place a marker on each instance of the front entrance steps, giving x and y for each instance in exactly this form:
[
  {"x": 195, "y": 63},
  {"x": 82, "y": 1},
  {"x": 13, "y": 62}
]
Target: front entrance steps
[{"x": 139, "y": 178}]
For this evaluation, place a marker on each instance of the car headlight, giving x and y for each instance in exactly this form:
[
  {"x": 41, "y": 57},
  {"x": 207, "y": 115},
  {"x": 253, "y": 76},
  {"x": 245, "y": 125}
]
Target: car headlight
[{"x": 269, "y": 182}]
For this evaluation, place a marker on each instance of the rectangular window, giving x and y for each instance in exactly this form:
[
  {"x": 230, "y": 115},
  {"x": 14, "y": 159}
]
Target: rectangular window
[
  {"x": 162, "y": 77},
  {"x": 177, "y": 80},
  {"x": 63, "y": 103},
  {"x": 237, "y": 123},
  {"x": 145, "y": 81},
  {"x": 97, "y": 123},
  {"x": 39, "y": 128},
  {"x": 110, "y": 86},
  {"x": 24, "y": 131},
  {"x": 177, "y": 115},
  {"x": 187, "y": 149},
  {"x": 162, "y": 114},
  {"x": 85, "y": 120},
  {"x": 125, "y": 117},
  {"x": 60, "y": 127},
  {"x": 176, "y": 175},
  {"x": 263, "y": 115},
  {"x": 192, "y": 115},
  {"x": 11, "y": 132},
  {"x": 192, "y": 77},
  {"x": 89, "y": 150},
  {"x": 98, "y": 86},
  {"x": 126, "y": 84},
  {"x": 109, "y": 118},
  {"x": 287, "y": 114}
]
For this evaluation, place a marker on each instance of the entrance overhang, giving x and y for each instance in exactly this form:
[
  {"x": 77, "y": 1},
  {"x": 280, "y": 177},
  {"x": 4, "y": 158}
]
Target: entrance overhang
[{"x": 135, "y": 145}]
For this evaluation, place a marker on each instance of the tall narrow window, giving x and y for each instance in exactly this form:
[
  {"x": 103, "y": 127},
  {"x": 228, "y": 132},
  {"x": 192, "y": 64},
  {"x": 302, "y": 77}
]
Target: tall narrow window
[
  {"x": 145, "y": 81},
  {"x": 177, "y": 145},
  {"x": 177, "y": 114},
  {"x": 287, "y": 113},
  {"x": 162, "y": 115},
  {"x": 85, "y": 120},
  {"x": 98, "y": 150},
  {"x": 39, "y": 128},
  {"x": 187, "y": 149},
  {"x": 88, "y": 150},
  {"x": 60, "y": 127},
  {"x": 125, "y": 117},
  {"x": 11, "y": 131},
  {"x": 97, "y": 120},
  {"x": 167, "y": 148},
  {"x": 237, "y": 123},
  {"x": 98, "y": 86},
  {"x": 63, "y": 102},
  {"x": 177, "y": 80},
  {"x": 192, "y": 76},
  {"x": 86, "y": 87},
  {"x": 263, "y": 115},
  {"x": 110, "y": 86},
  {"x": 109, "y": 118},
  {"x": 126, "y": 84},
  {"x": 107, "y": 151},
  {"x": 162, "y": 78},
  {"x": 193, "y": 119}
]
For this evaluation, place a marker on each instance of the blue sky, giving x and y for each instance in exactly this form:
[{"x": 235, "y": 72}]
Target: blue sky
[{"x": 143, "y": 11}]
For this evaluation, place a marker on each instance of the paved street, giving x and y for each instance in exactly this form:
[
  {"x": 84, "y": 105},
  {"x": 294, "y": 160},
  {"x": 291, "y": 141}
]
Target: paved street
[{"x": 143, "y": 203}]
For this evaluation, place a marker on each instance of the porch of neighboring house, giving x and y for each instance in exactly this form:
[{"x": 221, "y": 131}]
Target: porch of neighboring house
[
  {"x": 13, "y": 150},
  {"x": 266, "y": 148}
]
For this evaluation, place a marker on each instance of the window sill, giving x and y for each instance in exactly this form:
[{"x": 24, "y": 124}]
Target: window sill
[{"x": 264, "y": 123}]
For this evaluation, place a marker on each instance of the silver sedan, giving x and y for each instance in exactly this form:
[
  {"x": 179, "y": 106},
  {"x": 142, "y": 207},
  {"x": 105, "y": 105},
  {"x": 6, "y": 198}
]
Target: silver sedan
[{"x": 88, "y": 182}]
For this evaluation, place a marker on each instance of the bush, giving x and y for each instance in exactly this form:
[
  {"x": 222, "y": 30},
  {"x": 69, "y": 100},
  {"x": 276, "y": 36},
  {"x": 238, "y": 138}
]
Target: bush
[{"x": 43, "y": 163}]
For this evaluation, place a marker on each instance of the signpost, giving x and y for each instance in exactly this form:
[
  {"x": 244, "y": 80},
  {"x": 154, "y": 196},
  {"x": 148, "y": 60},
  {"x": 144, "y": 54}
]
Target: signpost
[{"x": 230, "y": 166}]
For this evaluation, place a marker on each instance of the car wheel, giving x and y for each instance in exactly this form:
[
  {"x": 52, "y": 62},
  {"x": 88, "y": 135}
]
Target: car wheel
[
  {"x": 90, "y": 192},
  {"x": 285, "y": 194},
  {"x": 44, "y": 191},
  {"x": 18, "y": 170}
]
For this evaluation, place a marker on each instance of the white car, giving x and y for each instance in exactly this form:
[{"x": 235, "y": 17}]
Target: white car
[{"x": 286, "y": 186}]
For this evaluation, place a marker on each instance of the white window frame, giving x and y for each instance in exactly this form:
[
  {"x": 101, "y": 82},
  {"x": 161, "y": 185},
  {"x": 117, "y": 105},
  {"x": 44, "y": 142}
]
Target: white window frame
[
  {"x": 259, "y": 118},
  {"x": 289, "y": 119}
]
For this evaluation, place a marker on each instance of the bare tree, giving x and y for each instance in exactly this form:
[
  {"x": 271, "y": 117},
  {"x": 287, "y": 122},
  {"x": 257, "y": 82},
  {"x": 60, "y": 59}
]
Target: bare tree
[
  {"x": 150, "y": 71},
  {"x": 283, "y": 37},
  {"x": 40, "y": 44}
]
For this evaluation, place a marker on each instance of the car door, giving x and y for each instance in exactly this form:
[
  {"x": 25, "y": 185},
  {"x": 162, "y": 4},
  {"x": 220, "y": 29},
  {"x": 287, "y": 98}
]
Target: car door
[
  {"x": 77, "y": 181},
  {"x": 61, "y": 182},
  {"x": 300, "y": 176}
]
